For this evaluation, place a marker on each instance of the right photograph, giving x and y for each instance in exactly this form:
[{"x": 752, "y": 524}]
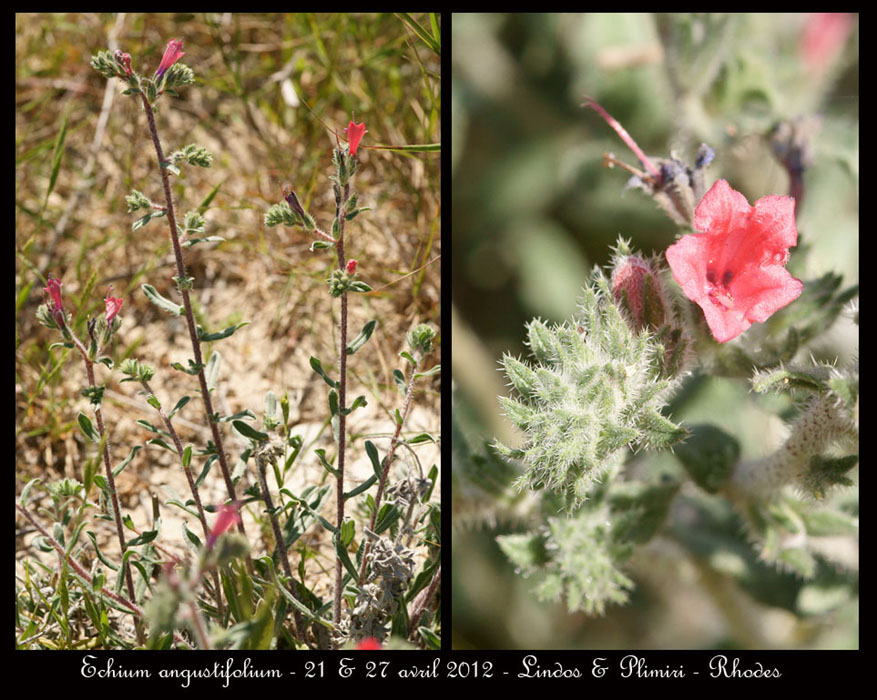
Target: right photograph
[{"x": 655, "y": 345}]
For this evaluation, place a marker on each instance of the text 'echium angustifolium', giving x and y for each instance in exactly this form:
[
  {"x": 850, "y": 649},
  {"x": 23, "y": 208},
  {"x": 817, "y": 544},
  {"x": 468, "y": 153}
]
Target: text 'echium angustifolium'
[{"x": 595, "y": 390}]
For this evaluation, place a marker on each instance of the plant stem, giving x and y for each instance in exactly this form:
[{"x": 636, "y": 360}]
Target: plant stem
[
  {"x": 190, "y": 318},
  {"x": 388, "y": 460},
  {"x": 192, "y": 487},
  {"x": 422, "y": 600},
  {"x": 342, "y": 395},
  {"x": 111, "y": 481},
  {"x": 75, "y": 565},
  {"x": 281, "y": 546}
]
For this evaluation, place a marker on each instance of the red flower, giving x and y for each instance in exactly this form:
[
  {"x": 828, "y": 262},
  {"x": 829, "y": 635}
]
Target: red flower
[
  {"x": 351, "y": 267},
  {"x": 113, "y": 306},
  {"x": 52, "y": 298},
  {"x": 734, "y": 270},
  {"x": 228, "y": 518},
  {"x": 368, "y": 643},
  {"x": 172, "y": 54},
  {"x": 354, "y": 133}
]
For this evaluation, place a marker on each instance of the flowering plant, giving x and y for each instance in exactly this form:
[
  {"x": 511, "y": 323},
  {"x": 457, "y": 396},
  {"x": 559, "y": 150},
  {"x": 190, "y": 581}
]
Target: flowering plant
[
  {"x": 687, "y": 427},
  {"x": 249, "y": 508}
]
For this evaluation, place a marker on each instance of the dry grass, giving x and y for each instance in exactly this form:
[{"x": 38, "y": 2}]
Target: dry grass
[{"x": 242, "y": 111}]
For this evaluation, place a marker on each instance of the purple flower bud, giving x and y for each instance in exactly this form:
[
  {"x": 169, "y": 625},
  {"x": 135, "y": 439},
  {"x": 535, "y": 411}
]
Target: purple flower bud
[{"x": 292, "y": 200}]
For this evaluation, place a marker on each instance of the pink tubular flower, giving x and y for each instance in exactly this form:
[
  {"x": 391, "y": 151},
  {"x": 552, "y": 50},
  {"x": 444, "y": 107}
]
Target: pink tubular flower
[
  {"x": 228, "y": 518},
  {"x": 735, "y": 270},
  {"x": 172, "y": 54},
  {"x": 823, "y": 37},
  {"x": 368, "y": 643},
  {"x": 354, "y": 133},
  {"x": 113, "y": 306},
  {"x": 52, "y": 298},
  {"x": 351, "y": 267}
]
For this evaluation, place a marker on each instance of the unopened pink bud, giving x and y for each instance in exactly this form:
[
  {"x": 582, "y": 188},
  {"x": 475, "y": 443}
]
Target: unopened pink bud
[
  {"x": 52, "y": 298},
  {"x": 351, "y": 267},
  {"x": 113, "y": 306},
  {"x": 634, "y": 288}
]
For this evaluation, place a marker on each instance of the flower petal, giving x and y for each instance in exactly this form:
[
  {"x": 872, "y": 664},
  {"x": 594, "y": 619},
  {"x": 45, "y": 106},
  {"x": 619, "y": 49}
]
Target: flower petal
[{"x": 734, "y": 270}]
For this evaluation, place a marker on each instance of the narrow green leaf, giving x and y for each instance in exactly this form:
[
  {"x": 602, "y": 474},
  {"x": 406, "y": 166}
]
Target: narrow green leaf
[
  {"x": 203, "y": 475},
  {"x": 212, "y": 374},
  {"x": 246, "y": 413},
  {"x": 364, "y": 486},
  {"x": 211, "y": 337},
  {"x": 182, "y": 402},
  {"x": 143, "y": 220},
  {"x": 160, "y": 443},
  {"x": 191, "y": 538},
  {"x": 399, "y": 378},
  {"x": 205, "y": 203},
  {"x": 341, "y": 551},
  {"x": 425, "y": 36},
  {"x": 362, "y": 338},
  {"x": 317, "y": 366},
  {"x": 429, "y": 372},
  {"x": 25, "y": 492},
  {"x": 100, "y": 555},
  {"x": 372, "y": 453},
  {"x": 125, "y": 462},
  {"x": 358, "y": 402},
  {"x": 162, "y": 302},
  {"x": 248, "y": 431},
  {"x": 142, "y": 539},
  {"x": 433, "y": 641},
  {"x": 87, "y": 428},
  {"x": 389, "y": 514},
  {"x": 189, "y": 242},
  {"x": 321, "y": 453}
]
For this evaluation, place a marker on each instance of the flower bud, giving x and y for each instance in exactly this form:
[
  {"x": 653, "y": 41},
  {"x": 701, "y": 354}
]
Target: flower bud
[
  {"x": 292, "y": 200},
  {"x": 420, "y": 338},
  {"x": 113, "y": 306},
  {"x": 637, "y": 291},
  {"x": 54, "y": 303},
  {"x": 351, "y": 267}
]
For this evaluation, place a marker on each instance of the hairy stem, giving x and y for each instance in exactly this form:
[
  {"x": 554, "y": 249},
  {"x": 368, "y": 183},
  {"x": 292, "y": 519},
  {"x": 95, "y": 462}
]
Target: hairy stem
[
  {"x": 192, "y": 487},
  {"x": 388, "y": 460},
  {"x": 190, "y": 318},
  {"x": 342, "y": 395},
  {"x": 111, "y": 481}
]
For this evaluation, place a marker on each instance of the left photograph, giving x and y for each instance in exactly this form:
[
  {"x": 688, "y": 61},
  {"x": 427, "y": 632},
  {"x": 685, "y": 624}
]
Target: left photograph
[{"x": 228, "y": 331}]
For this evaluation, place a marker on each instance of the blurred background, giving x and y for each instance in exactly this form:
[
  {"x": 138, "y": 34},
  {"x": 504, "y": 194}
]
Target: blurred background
[
  {"x": 535, "y": 210},
  {"x": 273, "y": 94}
]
